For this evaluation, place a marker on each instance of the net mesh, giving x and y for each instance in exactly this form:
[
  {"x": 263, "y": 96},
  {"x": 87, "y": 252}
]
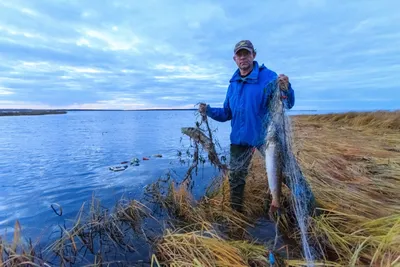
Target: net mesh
[
  {"x": 276, "y": 150},
  {"x": 280, "y": 132}
]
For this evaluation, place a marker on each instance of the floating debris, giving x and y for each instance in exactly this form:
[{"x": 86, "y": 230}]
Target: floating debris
[
  {"x": 144, "y": 158},
  {"x": 157, "y": 156},
  {"x": 118, "y": 168},
  {"x": 59, "y": 212},
  {"x": 135, "y": 162}
]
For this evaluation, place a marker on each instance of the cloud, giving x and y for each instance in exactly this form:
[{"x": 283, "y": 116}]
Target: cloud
[
  {"x": 5, "y": 91},
  {"x": 154, "y": 54}
]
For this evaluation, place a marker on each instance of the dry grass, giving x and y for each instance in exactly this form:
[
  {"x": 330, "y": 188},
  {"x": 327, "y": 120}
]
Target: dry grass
[
  {"x": 184, "y": 211},
  {"x": 18, "y": 253},
  {"x": 353, "y": 166},
  {"x": 206, "y": 247},
  {"x": 201, "y": 248},
  {"x": 371, "y": 120},
  {"x": 96, "y": 238},
  {"x": 351, "y": 161}
]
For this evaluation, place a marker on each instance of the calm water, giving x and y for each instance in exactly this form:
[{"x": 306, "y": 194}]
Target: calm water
[{"x": 65, "y": 159}]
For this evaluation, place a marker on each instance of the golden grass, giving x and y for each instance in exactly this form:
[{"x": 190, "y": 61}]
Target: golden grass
[
  {"x": 378, "y": 119},
  {"x": 185, "y": 211},
  {"x": 18, "y": 253},
  {"x": 206, "y": 248},
  {"x": 352, "y": 163},
  {"x": 217, "y": 207},
  {"x": 94, "y": 234}
]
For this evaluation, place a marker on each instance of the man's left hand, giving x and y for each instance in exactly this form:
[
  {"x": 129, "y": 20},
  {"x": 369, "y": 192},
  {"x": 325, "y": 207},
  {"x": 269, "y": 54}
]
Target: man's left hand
[{"x": 283, "y": 81}]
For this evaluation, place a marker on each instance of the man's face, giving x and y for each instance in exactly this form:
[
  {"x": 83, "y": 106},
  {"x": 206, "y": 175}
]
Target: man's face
[{"x": 244, "y": 59}]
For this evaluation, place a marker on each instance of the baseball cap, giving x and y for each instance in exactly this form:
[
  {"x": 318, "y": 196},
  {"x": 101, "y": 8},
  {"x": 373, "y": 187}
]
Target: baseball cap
[{"x": 244, "y": 44}]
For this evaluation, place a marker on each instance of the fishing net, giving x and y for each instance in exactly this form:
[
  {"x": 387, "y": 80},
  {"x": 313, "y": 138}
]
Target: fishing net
[
  {"x": 302, "y": 199},
  {"x": 277, "y": 132}
]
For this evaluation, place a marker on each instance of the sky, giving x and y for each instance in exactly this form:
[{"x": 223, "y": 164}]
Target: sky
[{"x": 131, "y": 54}]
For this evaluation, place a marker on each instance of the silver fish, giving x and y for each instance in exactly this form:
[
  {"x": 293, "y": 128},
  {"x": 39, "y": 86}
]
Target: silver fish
[
  {"x": 282, "y": 166},
  {"x": 275, "y": 144}
]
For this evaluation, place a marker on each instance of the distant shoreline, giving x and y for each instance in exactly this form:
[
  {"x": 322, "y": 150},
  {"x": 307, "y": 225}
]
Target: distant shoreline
[
  {"x": 30, "y": 112},
  {"x": 27, "y": 112},
  {"x": 150, "y": 109}
]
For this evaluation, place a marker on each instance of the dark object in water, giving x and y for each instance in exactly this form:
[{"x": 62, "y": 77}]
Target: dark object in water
[
  {"x": 144, "y": 158},
  {"x": 59, "y": 208},
  {"x": 118, "y": 168},
  {"x": 135, "y": 162},
  {"x": 157, "y": 156},
  {"x": 124, "y": 162}
]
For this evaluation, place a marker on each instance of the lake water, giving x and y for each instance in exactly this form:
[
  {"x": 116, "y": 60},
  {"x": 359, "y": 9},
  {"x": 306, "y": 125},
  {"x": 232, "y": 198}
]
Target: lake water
[{"x": 65, "y": 159}]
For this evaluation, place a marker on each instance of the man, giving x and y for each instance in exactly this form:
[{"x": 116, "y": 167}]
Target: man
[{"x": 246, "y": 105}]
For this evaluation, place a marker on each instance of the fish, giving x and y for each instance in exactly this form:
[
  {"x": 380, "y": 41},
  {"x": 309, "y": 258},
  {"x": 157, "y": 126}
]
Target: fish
[
  {"x": 275, "y": 146},
  {"x": 280, "y": 162},
  {"x": 199, "y": 136},
  {"x": 282, "y": 167}
]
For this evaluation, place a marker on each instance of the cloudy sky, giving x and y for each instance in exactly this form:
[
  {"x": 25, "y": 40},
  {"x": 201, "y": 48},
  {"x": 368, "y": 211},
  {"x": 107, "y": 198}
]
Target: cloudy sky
[{"x": 131, "y": 54}]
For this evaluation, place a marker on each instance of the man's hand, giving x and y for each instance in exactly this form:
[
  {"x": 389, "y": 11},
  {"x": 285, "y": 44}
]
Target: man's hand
[
  {"x": 283, "y": 81},
  {"x": 203, "y": 109}
]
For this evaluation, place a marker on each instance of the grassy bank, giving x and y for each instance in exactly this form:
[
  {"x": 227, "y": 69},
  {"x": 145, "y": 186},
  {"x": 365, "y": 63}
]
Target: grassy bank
[{"x": 351, "y": 160}]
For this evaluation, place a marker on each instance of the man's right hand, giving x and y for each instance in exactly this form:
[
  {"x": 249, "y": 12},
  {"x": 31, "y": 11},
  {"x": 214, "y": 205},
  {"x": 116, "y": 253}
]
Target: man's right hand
[{"x": 203, "y": 109}]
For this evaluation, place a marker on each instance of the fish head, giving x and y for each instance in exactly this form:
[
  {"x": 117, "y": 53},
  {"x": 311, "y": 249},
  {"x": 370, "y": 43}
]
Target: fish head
[
  {"x": 192, "y": 132},
  {"x": 188, "y": 130},
  {"x": 197, "y": 135}
]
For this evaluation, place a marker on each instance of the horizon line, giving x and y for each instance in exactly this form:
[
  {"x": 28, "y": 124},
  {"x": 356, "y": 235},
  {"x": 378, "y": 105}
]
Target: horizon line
[
  {"x": 176, "y": 109},
  {"x": 91, "y": 109}
]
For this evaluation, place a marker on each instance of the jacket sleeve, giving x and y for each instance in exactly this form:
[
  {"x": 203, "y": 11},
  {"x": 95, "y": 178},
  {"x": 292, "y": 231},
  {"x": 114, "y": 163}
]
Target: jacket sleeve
[
  {"x": 221, "y": 114},
  {"x": 289, "y": 97}
]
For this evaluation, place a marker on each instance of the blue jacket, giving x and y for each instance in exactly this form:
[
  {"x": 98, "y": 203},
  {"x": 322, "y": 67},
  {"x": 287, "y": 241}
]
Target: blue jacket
[{"x": 246, "y": 105}]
